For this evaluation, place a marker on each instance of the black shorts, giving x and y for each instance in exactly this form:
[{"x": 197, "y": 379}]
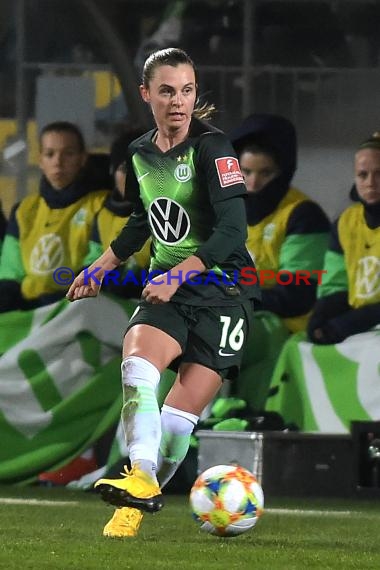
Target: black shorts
[{"x": 212, "y": 336}]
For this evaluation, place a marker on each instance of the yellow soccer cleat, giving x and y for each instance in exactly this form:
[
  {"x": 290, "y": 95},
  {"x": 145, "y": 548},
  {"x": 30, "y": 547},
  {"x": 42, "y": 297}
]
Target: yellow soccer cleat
[
  {"x": 135, "y": 489},
  {"x": 125, "y": 522}
]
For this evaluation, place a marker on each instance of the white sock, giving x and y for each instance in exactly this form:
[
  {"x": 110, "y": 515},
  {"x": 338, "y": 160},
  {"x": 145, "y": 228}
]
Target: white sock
[
  {"x": 177, "y": 427},
  {"x": 140, "y": 414}
]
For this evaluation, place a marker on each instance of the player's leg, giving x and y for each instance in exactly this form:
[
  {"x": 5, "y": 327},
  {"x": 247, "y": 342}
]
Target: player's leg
[
  {"x": 147, "y": 351},
  {"x": 214, "y": 351},
  {"x": 195, "y": 386}
]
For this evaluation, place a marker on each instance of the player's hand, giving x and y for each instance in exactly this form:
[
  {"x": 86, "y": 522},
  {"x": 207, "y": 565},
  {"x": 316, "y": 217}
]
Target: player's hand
[
  {"x": 84, "y": 286},
  {"x": 159, "y": 290},
  {"x": 89, "y": 281}
]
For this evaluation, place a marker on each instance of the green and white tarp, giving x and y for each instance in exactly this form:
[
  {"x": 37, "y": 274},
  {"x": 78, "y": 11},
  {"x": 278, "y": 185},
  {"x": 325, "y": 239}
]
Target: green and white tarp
[
  {"x": 59, "y": 382},
  {"x": 324, "y": 388}
]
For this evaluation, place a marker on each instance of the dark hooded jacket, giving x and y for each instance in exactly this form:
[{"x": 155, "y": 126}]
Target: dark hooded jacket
[
  {"x": 307, "y": 223},
  {"x": 277, "y": 136}
]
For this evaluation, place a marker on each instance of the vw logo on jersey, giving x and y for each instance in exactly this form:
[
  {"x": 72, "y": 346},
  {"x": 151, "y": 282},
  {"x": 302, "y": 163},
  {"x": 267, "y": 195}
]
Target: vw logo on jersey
[
  {"x": 268, "y": 231},
  {"x": 170, "y": 223},
  {"x": 182, "y": 172},
  {"x": 79, "y": 218},
  {"x": 47, "y": 254},
  {"x": 367, "y": 277}
]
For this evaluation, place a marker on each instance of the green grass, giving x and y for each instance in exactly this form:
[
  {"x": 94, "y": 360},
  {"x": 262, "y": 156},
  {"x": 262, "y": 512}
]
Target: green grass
[{"x": 68, "y": 536}]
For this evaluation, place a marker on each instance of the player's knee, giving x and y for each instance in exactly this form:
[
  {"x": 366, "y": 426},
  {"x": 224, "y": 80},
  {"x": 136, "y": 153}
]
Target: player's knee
[{"x": 137, "y": 371}]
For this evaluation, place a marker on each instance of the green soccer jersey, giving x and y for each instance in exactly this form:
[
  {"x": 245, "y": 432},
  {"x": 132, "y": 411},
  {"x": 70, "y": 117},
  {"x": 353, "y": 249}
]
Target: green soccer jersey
[{"x": 177, "y": 194}]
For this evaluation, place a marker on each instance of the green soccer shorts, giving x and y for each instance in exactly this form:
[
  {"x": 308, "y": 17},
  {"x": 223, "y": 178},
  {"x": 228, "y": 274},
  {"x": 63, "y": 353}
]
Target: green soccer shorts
[{"x": 212, "y": 336}]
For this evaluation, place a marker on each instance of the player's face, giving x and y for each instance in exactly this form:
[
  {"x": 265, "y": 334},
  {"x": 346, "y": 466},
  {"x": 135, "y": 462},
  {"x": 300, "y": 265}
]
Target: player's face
[
  {"x": 171, "y": 94},
  {"x": 367, "y": 175},
  {"x": 258, "y": 169},
  {"x": 61, "y": 158}
]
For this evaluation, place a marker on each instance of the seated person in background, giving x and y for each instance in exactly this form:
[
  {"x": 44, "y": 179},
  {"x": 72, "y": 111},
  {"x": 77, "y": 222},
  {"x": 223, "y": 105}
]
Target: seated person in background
[
  {"x": 349, "y": 298},
  {"x": 50, "y": 229},
  {"x": 112, "y": 218},
  {"x": 287, "y": 232},
  {"x": 107, "y": 223}
]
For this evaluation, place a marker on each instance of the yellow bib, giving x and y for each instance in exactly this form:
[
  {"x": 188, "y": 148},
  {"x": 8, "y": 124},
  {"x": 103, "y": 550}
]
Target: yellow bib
[
  {"x": 361, "y": 247},
  {"x": 265, "y": 240},
  {"x": 109, "y": 226},
  {"x": 54, "y": 237}
]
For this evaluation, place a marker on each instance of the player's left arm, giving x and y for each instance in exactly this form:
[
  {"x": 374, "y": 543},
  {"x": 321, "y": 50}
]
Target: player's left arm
[{"x": 219, "y": 171}]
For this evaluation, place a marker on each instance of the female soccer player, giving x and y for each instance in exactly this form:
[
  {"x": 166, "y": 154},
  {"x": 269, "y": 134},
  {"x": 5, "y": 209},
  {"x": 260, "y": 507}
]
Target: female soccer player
[{"x": 184, "y": 179}]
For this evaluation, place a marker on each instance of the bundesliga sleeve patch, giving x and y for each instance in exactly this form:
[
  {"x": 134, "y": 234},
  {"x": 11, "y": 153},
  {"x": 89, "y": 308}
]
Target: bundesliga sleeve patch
[{"x": 228, "y": 171}]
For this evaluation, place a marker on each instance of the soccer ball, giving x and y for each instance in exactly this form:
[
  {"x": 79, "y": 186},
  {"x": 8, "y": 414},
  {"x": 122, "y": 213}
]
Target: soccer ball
[{"x": 226, "y": 500}]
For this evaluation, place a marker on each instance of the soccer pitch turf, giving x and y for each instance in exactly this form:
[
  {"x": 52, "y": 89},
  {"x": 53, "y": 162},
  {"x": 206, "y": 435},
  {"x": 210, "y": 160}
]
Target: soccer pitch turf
[{"x": 48, "y": 529}]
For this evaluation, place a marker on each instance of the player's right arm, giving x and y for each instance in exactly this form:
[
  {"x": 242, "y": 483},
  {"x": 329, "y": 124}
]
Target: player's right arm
[{"x": 89, "y": 281}]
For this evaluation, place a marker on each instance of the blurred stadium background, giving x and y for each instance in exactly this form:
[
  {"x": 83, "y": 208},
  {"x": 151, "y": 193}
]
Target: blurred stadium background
[{"x": 316, "y": 62}]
